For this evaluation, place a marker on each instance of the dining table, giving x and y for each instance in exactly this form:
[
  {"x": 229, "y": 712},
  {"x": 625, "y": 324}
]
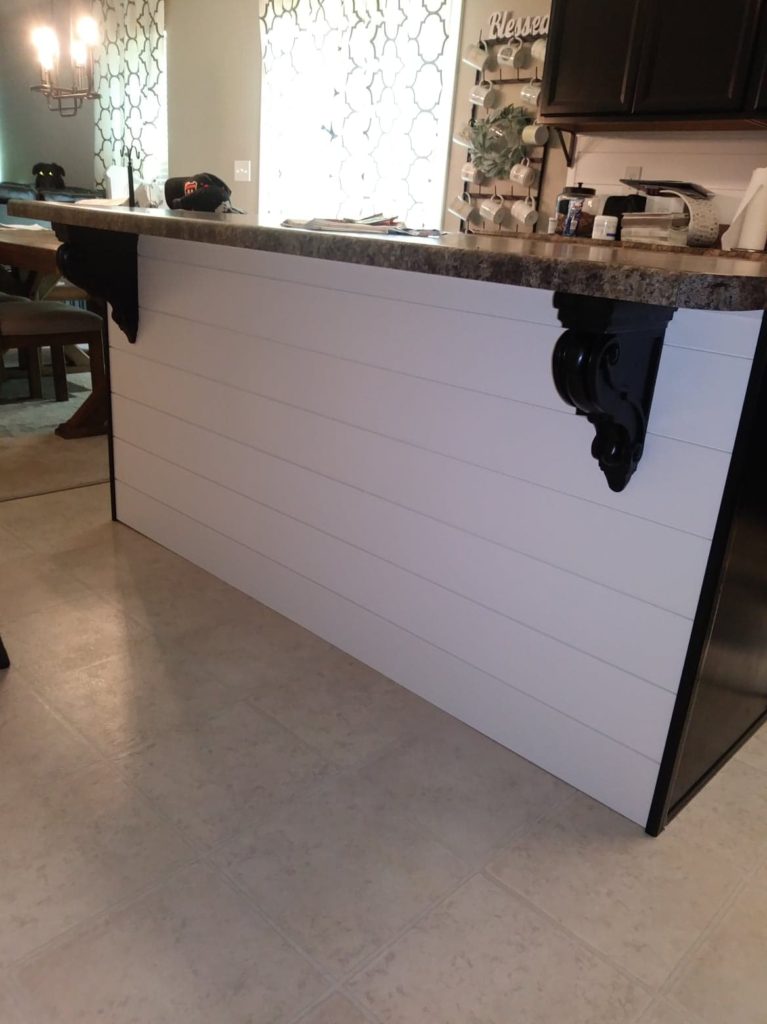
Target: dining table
[{"x": 33, "y": 250}]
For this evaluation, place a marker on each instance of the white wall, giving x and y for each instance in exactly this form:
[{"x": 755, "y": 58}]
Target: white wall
[
  {"x": 214, "y": 58},
  {"x": 29, "y": 132},
  {"x": 721, "y": 161},
  {"x": 382, "y": 456}
]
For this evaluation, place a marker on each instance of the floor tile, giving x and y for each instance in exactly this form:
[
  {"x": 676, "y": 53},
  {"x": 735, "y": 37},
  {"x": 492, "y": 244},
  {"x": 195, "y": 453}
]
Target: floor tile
[
  {"x": 755, "y": 751},
  {"x": 34, "y": 583},
  {"x": 69, "y": 636},
  {"x": 472, "y": 793},
  {"x": 662, "y": 1012},
  {"x": 71, "y": 846},
  {"x": 342, "y": 708},
  {"x": 336, "y": 1010},
  {"x": 10, "y": 1011},
  {"x": 189, "y": 952},
  {"x": 12, "y": 547},
  {"x": 225, "y": 774},
  {"x": 726, "y": 979},
  {"x": 641, "y": 901},
  {"x": 159, "y": 589},
  {"x": 341, "y": 871},
  {"x": 126, "y": 703},
  {"x": 34, "y": 742},
  {"x": 485, "y": 956},
  {"x": 729, "y": 816},
  {"x": 55, "y": 522}
]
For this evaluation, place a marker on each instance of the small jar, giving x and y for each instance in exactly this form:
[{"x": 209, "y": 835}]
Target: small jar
[{"x": 570, "y": 209}]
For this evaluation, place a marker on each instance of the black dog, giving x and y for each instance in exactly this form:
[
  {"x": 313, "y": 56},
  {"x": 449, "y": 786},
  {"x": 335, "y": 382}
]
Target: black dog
[{"x": 48, "y": 176}]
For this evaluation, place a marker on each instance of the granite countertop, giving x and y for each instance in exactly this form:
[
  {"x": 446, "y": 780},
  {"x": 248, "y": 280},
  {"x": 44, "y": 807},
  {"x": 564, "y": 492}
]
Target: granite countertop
[{"x": 688, "y": 279}]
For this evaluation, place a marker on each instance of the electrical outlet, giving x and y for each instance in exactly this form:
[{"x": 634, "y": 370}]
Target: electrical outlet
[
  {"x": 242, "y": 170},
  {"x": 633, "y": 172}
]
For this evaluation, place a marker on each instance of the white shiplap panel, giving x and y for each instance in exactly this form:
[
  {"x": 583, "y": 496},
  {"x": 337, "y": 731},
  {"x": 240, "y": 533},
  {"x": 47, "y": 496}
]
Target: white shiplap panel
[
  {"x": 608, "y": 771},
  {"x": 699, "y": 395},
  {"x": 542, "y": 446},
  {"x": 551, "y": 601},
  {"x": 631, "y": 554},
  {"x": 530, "y": 304},
  {"x": 601, "y": 696},
  {"x": 731, "y": 334},
  {"x": 512, "y": 360}
]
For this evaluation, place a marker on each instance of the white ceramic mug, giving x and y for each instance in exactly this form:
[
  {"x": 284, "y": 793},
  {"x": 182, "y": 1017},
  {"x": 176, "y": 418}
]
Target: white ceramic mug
[
  {"x": 538, "y": 51},
  {"x": 471, "y": 174},
  {"x": 463, "y": 137},
  {"x": 535, "y": 135},
  {"x": 462, "y": 207},
  {"x": 524, "y": 174},
  {"x": 484, "y": 95},
  {"x": 524, "y": 211},
  {"x": 493, "y": 210},
  {"x": 530, "y": 94},
  {"x": 477, "y": 55},
  {"x": 514, "y": 55}
]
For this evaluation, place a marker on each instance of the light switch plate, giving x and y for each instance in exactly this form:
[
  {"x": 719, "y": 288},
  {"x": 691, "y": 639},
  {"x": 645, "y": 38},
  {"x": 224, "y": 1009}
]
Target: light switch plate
[{"x": 242, "y": 170}]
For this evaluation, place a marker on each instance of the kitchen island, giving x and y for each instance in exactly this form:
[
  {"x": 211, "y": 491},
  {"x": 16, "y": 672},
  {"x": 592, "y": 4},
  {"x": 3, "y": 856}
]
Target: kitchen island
[{"x": 366, "y": 435}]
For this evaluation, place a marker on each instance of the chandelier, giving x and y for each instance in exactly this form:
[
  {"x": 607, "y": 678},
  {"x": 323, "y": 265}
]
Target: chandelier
[{"x": 85, "y": 38}]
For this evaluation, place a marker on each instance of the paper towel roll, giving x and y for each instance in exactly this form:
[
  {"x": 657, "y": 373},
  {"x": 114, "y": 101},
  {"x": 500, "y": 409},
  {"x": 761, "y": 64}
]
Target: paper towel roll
[{"x": 749, "y": 226}]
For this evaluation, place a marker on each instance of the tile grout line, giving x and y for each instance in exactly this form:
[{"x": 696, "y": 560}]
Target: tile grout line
[
  {"x": 575, "y": 938},
  {"x": 695, "y": 947}
]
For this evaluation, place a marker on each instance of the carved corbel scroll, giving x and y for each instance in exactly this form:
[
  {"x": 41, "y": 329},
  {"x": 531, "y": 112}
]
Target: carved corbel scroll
[{"x": 605, "y": 365}]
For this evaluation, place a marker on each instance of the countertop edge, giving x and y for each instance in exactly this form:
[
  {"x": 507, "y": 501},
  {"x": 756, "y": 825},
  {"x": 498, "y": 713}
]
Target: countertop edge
[{"x": 472, "y": 259}]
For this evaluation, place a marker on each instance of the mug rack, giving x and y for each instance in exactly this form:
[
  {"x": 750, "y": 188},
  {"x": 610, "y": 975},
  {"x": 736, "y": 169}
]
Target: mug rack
[{"x": 537, "y": 155}]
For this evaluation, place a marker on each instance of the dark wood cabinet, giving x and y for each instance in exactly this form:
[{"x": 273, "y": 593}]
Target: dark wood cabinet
[
  {"x": 757, "y": 87},
  {"x": 583, "y": 34},
  {"x": 693, "y": 61},
  {"x": 655, "y": 61}
]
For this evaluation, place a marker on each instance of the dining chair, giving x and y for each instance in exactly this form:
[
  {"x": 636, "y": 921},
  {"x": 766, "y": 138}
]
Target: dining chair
[{"x": 32, "y": 326}]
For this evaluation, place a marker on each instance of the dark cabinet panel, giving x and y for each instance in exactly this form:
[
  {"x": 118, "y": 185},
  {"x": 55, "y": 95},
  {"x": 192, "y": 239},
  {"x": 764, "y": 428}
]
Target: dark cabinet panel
[
  {"x": 757, "y": 90},
  {"x": 592, "y": 59},
  {"x": 695, "y": 55}
]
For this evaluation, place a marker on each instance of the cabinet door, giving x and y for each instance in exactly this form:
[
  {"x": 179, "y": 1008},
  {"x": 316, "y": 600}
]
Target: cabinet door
[
  {"x": 757, "y": 90},
  {"x": 696, "y": 56},
  {"x": 592, "y": 58}
]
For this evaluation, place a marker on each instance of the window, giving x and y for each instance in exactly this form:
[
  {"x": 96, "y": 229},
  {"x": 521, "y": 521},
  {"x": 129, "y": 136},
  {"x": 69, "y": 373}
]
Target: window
[
  {"x": 131, "y": 79},
  {"x": 356, "y": 107}
]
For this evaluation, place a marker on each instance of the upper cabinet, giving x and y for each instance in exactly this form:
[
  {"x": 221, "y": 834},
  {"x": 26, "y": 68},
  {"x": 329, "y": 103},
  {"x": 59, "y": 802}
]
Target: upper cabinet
[
  {"x": 655, "y": 60},
  {"x": 583, "y": 33}
]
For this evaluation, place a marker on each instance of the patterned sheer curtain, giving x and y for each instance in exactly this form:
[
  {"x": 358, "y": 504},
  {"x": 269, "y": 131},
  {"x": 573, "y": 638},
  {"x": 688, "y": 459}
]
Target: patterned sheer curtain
[
  {"x": 356, "y": 105},
  {"x": 132, "y": 81}
]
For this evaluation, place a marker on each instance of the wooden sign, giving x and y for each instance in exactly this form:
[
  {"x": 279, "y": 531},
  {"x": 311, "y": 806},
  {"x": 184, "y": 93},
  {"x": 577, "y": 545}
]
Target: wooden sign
[{"x": 505, "y": 25}]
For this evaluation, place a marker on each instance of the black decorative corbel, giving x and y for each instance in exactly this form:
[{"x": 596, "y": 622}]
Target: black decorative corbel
[
  {"x": 104, "y": 264},
  {"x": 605, "y": 364}
]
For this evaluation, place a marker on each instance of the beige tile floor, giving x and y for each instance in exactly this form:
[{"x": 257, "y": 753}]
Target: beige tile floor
[{"x": 209, "y": 815}]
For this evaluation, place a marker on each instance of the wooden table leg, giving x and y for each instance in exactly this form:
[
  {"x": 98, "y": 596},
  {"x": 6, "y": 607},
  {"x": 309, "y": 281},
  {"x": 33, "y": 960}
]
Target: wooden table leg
[{"x": 91, "y": 418}]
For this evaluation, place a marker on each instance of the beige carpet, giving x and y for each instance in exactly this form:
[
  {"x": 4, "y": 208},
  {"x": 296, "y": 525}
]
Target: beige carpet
[{"x": 40, "y": 463}]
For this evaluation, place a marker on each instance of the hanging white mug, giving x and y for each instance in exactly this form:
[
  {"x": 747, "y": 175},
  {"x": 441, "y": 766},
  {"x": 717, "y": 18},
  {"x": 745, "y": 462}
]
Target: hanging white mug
[
  {"x": 463, "y": 137},
  {"x": 524, "y": 174},
  {"x": 463, "y": 208},
  {"x": 484, "y": 95},
  {"x": 525, "y": 212},
  {"x": 493, "y": 210},
  {"x": 530, "y": 94},
  {"x": 471, "y": 174},
  {"x": 515, "y": 55},
  {"x": 477, "y": 55},
  {"x": 539, "y": 51},
  {"x": 535, "y": 135}
]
